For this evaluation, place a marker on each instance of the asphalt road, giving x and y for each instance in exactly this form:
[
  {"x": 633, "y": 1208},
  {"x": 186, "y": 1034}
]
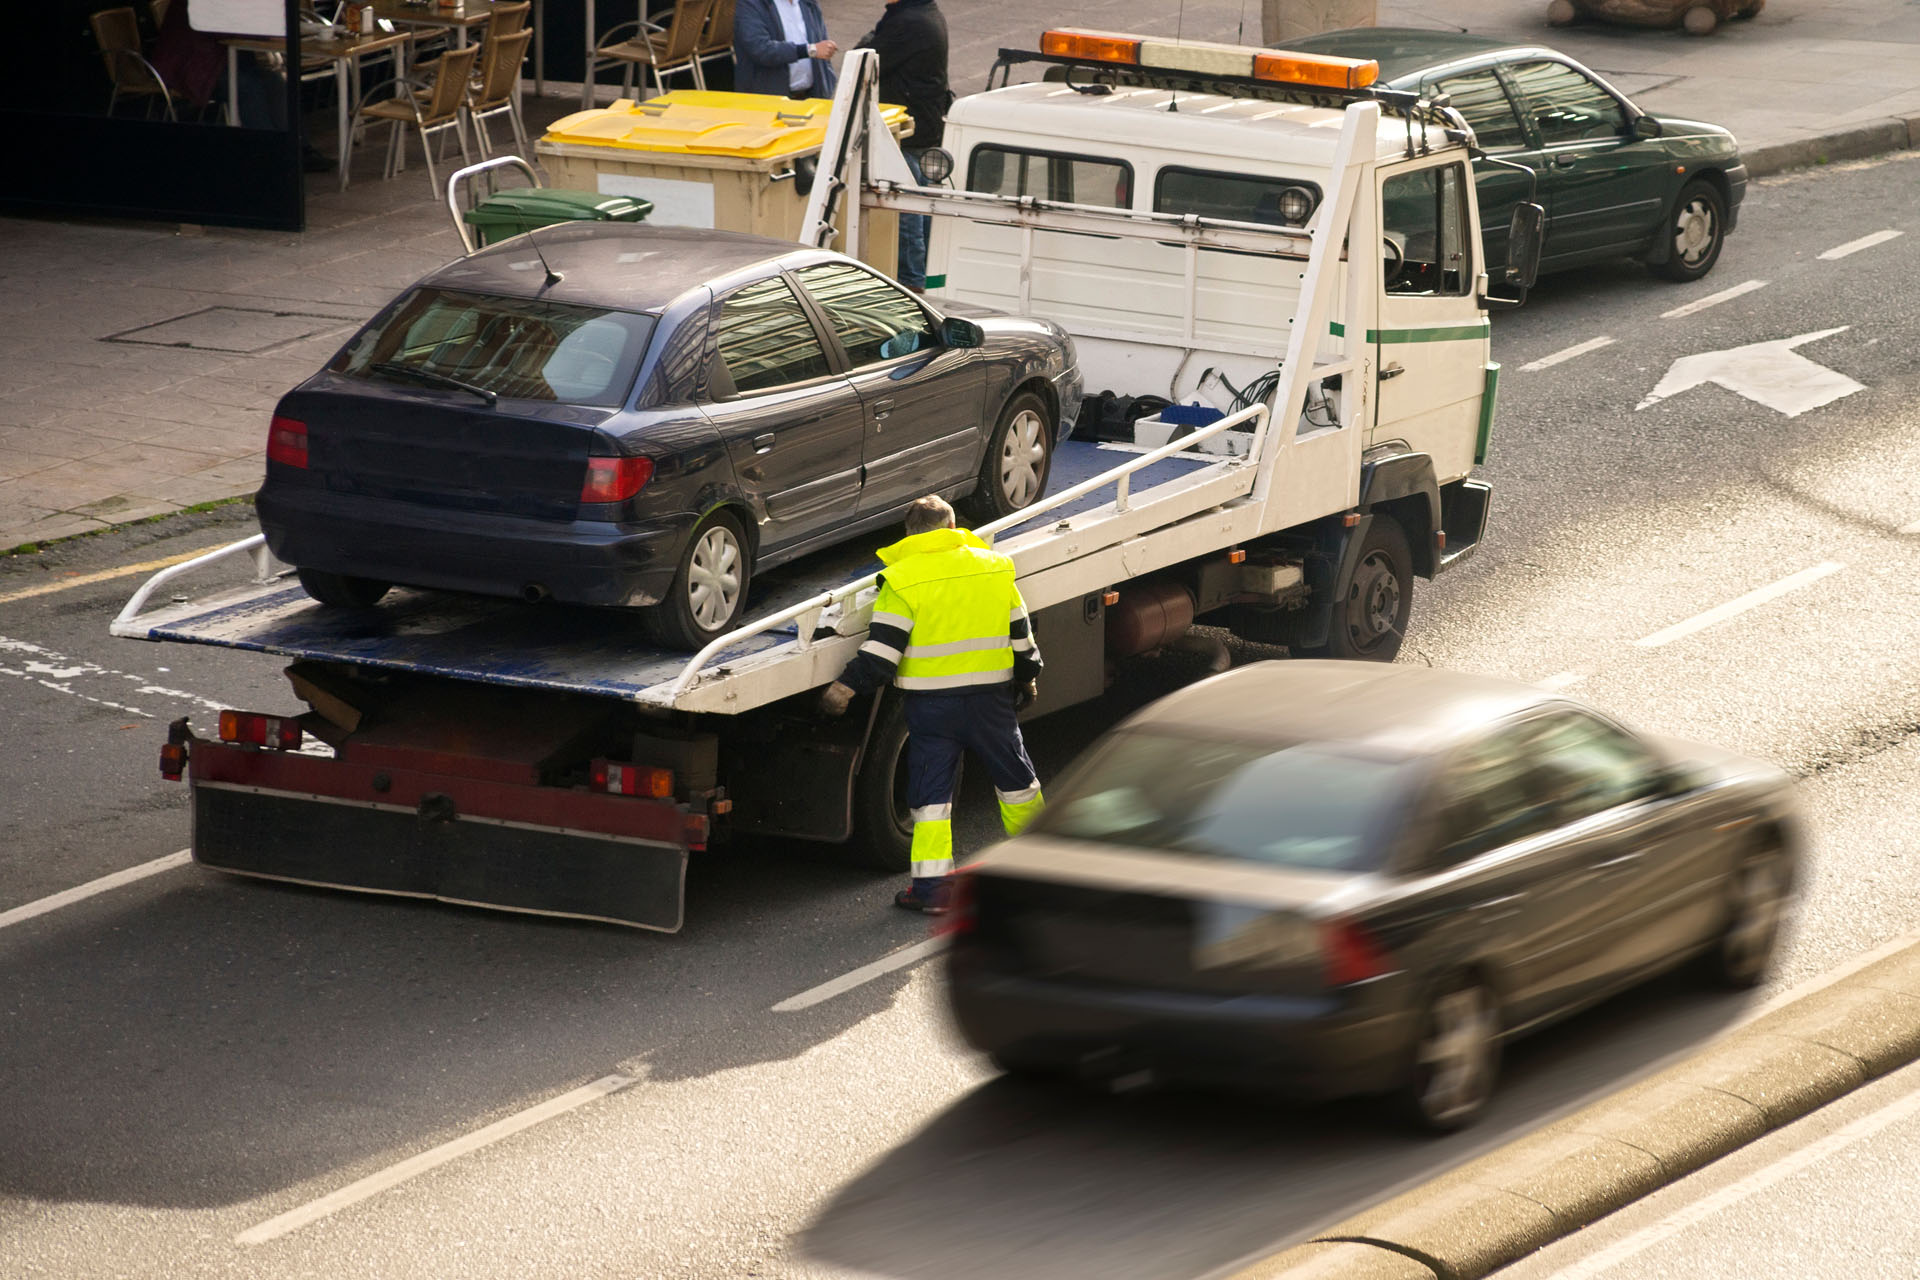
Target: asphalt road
[{"x": 189, "y": 1058}]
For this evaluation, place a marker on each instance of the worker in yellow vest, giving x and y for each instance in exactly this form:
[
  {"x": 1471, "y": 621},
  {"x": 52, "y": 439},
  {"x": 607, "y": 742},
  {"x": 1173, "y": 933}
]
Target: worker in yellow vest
[{"x": 950, "y": 630}]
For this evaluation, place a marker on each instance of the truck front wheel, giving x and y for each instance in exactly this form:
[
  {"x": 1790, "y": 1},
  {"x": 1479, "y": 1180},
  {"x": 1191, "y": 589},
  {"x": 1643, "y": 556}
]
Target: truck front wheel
[{"x": 1371, "y": 619}]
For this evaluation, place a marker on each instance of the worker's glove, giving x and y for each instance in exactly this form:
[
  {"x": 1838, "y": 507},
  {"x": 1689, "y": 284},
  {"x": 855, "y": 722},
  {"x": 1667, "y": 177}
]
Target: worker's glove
[
  {"x": 834, "y": 699},
  {"x": 1024, "y": 694}
]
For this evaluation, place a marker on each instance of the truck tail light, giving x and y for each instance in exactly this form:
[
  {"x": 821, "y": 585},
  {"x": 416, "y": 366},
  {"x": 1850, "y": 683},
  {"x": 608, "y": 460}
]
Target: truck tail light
[
  {"x": 1349, "y": 953},
  {"x": 173, "y": 760},
  {"x": 287, "y": 442},
  {"x": 615, "y": 479},
  {"x": 631, "y": 779},
  {"x": 282, "y": 733}
]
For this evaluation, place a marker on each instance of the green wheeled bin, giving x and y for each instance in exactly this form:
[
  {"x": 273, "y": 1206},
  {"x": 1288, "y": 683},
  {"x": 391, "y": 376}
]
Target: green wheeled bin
[{"x": 522, "y": 209}]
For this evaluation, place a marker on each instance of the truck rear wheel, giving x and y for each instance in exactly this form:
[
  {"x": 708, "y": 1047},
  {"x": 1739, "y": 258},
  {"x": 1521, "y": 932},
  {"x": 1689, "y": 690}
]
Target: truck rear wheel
[
  {"x": 882, "y": 831},
  {"x": 1371, "y": 619}
]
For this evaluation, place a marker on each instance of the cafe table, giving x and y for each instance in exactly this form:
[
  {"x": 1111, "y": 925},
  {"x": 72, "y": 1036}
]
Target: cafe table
[{"x": 345, "y": 51}]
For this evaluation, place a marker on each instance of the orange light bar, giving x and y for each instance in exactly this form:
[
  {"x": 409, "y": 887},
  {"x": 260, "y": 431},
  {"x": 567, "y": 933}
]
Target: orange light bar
[
  {"x": 1091, "y": 46},
  {"x": 1315, "y": 69}
]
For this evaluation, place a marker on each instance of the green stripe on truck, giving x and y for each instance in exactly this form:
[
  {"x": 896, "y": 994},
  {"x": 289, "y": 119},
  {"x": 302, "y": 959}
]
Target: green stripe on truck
[{"x": 1488, "y": 396}]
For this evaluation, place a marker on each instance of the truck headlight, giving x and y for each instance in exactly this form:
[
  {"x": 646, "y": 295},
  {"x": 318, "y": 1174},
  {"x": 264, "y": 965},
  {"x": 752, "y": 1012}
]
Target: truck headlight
[
  {"x": 1296, "y": 205},
  {"x": 936, "y": 166}
]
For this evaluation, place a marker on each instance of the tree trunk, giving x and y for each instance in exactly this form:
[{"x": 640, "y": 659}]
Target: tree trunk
[{"x": 1284, "y": 20}]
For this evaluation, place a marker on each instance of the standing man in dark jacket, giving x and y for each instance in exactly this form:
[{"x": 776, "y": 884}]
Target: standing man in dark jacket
[
  {"x": 911, "y": 39},
  {"x": 781, "y": 47}
]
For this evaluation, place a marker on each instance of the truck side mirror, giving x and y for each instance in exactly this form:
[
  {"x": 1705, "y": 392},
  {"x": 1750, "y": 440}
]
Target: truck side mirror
[{"x": 1524, "y": 236}]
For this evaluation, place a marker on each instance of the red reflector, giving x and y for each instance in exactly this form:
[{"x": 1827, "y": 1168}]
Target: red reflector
[
  {"x": 960, "y": 917},
  {"x": 287, "y": 442},
  {"x": 173, "y": 760},
  {"x": 631, "y": 779},
  {"x": 1350, "y": 953},
  {"x": 280, "y": 732},
  {"x": 1440, "y": 539},
  {"x": 615, "y": 479}
]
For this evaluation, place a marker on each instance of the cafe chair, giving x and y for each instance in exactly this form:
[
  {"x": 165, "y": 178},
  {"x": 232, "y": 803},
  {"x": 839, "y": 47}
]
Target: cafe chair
[
  {"x": 508, "y": 18},
  {"x": 117, "y": 32},
  {"x": 431, "y": 106},
  {"x": 497, "y": 91},
  {"x": 663, "y": 53},
  {"x": 717, "y": 40}
]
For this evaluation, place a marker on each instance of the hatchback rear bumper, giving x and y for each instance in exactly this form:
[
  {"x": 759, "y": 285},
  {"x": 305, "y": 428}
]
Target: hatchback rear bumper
[{"x": 578, "y": 562}]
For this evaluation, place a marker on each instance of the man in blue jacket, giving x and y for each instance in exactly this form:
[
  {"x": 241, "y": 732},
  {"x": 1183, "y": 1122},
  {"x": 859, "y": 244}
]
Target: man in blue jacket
[{"x": 781, "y": 47}]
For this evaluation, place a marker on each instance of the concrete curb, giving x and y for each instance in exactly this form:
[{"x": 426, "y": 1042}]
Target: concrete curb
[
  {"x": 1497, "y": 1209},
  {"x": 1858, "y": 142}
]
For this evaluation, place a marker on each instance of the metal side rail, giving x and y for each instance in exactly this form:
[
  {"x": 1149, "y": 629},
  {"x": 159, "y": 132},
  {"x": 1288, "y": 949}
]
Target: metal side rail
[
  {"x": 128, "y": 624},
  {"x": 831, "y": 624}
]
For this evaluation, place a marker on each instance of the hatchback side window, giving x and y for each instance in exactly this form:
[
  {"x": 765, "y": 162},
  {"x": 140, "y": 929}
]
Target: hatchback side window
[
  {"x": 1426, "y": 225},
  {"x": 1588, "y": 765},
  {"x": 1567, "y": 106},
  {"x": 1482, "y": 100},
  {"x": 766, "y": 339},
  {"x": 874, "y": 320}
]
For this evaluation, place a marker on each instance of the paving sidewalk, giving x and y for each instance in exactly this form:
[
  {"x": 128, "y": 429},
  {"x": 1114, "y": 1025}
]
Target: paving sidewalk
[{"x": 143, "y": 360}]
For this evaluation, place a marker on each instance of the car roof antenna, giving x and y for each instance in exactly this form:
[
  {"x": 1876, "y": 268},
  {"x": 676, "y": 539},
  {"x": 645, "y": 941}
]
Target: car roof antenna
[{"x": 553, "y": 277}]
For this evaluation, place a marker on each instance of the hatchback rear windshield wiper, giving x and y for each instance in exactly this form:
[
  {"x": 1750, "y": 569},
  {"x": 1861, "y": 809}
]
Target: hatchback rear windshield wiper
[{"x": 433, "y": 379}]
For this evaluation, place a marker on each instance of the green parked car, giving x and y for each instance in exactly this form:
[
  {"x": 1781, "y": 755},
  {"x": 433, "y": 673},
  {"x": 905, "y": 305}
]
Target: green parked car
[{"x": 1615, "y": 181}]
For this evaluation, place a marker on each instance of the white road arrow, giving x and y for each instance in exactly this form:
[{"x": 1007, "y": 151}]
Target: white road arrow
[{"x": 1768, "y": 373}]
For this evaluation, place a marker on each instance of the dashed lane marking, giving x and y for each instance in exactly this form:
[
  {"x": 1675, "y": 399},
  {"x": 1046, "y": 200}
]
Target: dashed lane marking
[
  {"x": 860, "y": 977},
  {"x": 104, "y": 575},
  {"x": 1560, "y": 357},
  {"x": 1713, "y": 300},
  {"x": 1753, "y": 599},
  {"x": 92, "y": 888},
  {"x": 373, "y": 1184},
  {"x": 1864, "y": 242}
]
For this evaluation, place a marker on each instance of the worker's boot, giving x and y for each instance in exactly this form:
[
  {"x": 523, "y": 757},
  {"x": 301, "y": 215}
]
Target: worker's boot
[{"x": 929, "y": 894}]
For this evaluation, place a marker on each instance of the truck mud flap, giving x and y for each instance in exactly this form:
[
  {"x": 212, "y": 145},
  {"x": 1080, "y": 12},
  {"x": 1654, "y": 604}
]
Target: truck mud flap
[{"x": 388, "y": 849}]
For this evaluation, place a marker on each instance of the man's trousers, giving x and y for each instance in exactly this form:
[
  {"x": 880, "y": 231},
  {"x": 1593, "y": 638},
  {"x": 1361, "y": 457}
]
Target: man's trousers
[{"x": 940, "y": 726}]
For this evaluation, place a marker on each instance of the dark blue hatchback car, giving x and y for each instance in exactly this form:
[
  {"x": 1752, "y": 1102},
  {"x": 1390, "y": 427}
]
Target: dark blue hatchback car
[{"x": 642, "y": 416}]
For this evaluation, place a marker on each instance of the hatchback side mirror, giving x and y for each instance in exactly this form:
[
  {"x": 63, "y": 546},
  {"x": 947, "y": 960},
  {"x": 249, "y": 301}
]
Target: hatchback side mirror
[
  {"x": 1647, "y": 127},
  {"x": 960, "y": 332}
]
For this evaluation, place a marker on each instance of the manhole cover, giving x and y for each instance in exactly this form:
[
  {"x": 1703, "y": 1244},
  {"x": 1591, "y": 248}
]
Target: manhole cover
[{"x": 234, "y": 330}]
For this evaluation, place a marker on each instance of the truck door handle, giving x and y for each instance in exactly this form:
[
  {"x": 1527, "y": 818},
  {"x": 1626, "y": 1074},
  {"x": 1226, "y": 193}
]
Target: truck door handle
[
  {"x": 763, "y": 443},
  {"x": 1392, "y": 371}
]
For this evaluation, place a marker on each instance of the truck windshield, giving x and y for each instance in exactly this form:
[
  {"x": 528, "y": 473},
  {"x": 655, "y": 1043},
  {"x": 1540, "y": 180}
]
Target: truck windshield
[
  {"x": 1306, "y": 805},
  {"x": 514, "y": 347}
]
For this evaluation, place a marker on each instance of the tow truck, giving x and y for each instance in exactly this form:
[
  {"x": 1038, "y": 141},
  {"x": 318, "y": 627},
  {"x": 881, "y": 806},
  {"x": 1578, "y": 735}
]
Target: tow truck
[{"x": 535, "y": 758}]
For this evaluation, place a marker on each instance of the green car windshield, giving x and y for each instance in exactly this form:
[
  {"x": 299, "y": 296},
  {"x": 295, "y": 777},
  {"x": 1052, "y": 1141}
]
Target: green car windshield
[
  {"x": 519, "y": 348},
  {"x": 1303, "y": 805}
]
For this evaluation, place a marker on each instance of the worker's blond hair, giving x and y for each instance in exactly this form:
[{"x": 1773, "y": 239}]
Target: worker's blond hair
[{"x": 929, "y": 513}]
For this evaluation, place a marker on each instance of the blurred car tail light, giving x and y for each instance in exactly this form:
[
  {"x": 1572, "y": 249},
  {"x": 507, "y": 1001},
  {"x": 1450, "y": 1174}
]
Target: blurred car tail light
[
  {"x": 279, "y": 732},
  {"x": 631, "y": 779},
  {"x": 1350, "y": 953},
  {"x": 961, "y": 910},
  {"x": 615, "y": 479},
  {"x": 287, "y": 442}
]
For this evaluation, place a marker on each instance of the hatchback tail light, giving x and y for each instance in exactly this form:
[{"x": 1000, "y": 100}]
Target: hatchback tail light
[
  {"x": 280, "y": 732},
  {"x": 1350, "y": 953},
  {"x": 615, "y": 479},
  {"x": 287, "y": 442}
]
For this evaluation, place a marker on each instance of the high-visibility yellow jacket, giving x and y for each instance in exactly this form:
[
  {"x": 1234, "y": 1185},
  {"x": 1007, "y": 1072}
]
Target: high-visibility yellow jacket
[{"x": 948, "y": 619}]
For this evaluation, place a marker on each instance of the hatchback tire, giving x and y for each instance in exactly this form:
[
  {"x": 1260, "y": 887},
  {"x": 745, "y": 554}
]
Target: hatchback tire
[
  {"x": 709, "y": 591},
  {"x": 1019, "y": 458},
  {"x": 1756, "y": 903},
  {"x": 1698, "y": 227},
  {"x": 1457, "y": 1058},
  {"x": 342, "y": 591}
]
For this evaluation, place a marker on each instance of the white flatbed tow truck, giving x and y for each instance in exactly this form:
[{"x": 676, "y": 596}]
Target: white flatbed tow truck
[{"x": 536, "y": 758}]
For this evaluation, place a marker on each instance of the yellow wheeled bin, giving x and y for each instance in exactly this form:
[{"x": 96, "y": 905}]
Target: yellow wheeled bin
[{"x": 708, "y": 159}]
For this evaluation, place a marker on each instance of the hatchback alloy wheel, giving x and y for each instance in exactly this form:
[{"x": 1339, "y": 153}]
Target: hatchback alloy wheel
[
  {"x": 1457, "y": 1057},
  {"x": 1023, "y": 459},
  {"x": 713, "y": 575},
  {"x": 1693, "y": 231}
]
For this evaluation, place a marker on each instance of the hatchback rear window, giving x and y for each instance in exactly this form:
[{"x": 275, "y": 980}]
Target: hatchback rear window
[
  {"x": 1299, "y": 805},
  {"x": 520, "y": 348}
]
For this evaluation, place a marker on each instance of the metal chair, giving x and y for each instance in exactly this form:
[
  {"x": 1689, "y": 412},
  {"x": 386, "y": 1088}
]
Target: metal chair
[
  {"x": 117, "y": 32},
  {"x": 431, "y": 107},
  {"x": 664, "y": 54},
  {"x": 717, "y": 40},
  {"x": 497, "y": 92}
]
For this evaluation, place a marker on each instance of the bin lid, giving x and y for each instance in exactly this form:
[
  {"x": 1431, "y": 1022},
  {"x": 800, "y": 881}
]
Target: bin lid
[
  {"x": 751, "y": 126},
  {"x": 548, "y": 205}
]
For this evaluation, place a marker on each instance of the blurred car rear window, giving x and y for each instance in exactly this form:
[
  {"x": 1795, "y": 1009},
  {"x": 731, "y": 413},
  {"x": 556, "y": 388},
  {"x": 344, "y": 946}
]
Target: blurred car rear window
[
  {"x": 1303, "y": 805},
  {"x": 520, "y": 348}
]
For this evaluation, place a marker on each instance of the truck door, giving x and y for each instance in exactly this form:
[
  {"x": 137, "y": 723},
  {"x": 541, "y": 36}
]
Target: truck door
[
  {"x": 921, "y": 400},
  {"x": 1430, "y": 340}
]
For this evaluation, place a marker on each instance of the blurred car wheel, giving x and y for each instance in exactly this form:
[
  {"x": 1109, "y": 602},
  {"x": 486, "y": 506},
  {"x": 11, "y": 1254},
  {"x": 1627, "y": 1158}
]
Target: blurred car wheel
[
  {"x": 1456, "y": 1059},
  {"x": 341, "y": 590},
  {"x": 1757, "y": 902}
]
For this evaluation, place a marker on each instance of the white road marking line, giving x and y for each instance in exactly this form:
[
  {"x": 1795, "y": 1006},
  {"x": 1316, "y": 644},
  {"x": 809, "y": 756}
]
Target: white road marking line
[
  {"x": 1739, "y": 605},
  {"x": 1713, "y": 300},
  {"x": 373, "y": 1184},
  {"x": 105, "y": 575},
  {"x": 859, "y": 977},
  {"x": 1864, "y": 242},
  {"x": 56, "y": 671},
  {"x": 1730, "y": 1195},
  {"x": 1565, "y": 680},
  {"x": 1911, "y": 528},
  {"x": 1768, "y": 373},
  {"x": 1558, "y": 357},
  {"x": 79, "y": 893}
]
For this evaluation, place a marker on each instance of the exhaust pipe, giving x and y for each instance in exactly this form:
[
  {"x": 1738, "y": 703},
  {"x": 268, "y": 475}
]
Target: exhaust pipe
[{"x": 534, "y": 593}]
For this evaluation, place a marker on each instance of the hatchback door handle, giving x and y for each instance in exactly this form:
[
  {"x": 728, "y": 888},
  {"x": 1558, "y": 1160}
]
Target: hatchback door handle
[
  {"x": 1565, "y": 162},
  {"x": 763, "y": 443}
]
